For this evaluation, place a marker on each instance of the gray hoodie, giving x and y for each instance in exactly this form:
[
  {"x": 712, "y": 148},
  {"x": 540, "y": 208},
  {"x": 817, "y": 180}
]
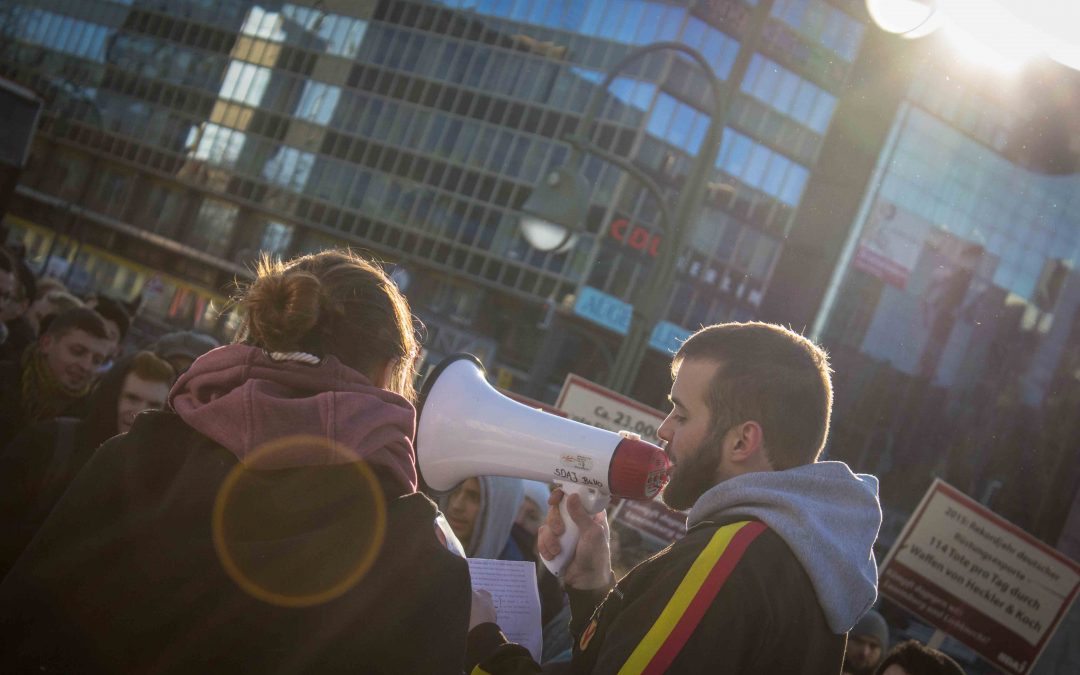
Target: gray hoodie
[{"x": 828, "y": 516}]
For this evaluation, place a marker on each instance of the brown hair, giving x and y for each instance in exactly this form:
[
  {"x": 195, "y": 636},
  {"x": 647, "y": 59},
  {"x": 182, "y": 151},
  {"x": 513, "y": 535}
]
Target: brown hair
[
  {"x": 773, "y": 376},
  {"x": 148, "y": 366},
  {"x": 333, "y": 303},
  {"x": 914, "y": 657}
]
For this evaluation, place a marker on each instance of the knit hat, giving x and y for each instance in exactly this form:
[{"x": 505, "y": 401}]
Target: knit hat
[{"x": 873, "y": 625}]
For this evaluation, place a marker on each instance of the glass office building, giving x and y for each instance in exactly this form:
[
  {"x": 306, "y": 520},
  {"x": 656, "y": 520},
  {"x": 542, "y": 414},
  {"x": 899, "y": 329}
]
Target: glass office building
[
  {"x": 184, "y": 138},
  {"x": 956, "y": 330}
]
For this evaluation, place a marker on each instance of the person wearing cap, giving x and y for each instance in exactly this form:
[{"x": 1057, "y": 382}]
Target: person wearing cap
[
  {"x": 866, "y": 645},
  {"x": 181, "y": 348},
  {"x": 117, "y": 321}
]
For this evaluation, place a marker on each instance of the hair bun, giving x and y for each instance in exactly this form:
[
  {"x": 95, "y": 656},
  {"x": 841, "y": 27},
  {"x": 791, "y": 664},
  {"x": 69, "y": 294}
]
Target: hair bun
[{"x": 282, "y": 309}]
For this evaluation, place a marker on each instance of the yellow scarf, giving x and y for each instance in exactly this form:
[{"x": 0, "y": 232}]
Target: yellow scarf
[{"x": 43, "y": 396}]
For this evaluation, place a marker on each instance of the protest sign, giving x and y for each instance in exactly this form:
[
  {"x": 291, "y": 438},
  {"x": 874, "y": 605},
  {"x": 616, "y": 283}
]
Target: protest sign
[
  {"x": 965, "y": 570},
  {"x": 588, "y": 402}
]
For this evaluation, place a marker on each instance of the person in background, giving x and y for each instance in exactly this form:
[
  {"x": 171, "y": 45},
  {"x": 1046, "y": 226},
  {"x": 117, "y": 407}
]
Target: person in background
[
  {"x": 533, "y": 508},
  {"x": 866, "y": 645},
  {"x": 18, "y": 288},
  {"x": 46, "y": 285},
  {"x": 268, "y": 521},
  {"x": 53, "y": 377},
  {"x": 913, "y": 658},
  {"x": 117, "y": 320},
  {"x": 481, "y": 512},
  {"x": 181, "y": 348},
  {"x": 48, "y": 305},
  {"x": 38, "y": 464}
]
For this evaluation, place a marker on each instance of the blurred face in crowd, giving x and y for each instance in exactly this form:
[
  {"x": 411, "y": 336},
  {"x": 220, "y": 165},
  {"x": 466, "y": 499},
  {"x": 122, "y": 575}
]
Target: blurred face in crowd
[
  {"x": 530, "y": 516},
  {"x": 74, "y": 356},
  {"x": 462, "y": 509},
  {"x": 113, "y": 331},
  {"x": 863, "y": 655},
  {"x": 690, "y": 440},
  {"x": 136, "y": 396},
  {"x": 39, "y": 309},
  {"x": 12, "y": 304}
]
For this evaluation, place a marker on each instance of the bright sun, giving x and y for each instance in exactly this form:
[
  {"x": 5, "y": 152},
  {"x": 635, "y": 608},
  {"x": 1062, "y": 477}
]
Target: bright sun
[{"x": 1003, "y": 34}]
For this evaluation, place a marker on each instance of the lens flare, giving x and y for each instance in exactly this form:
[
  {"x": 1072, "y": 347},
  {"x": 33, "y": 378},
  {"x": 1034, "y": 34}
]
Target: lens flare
[{"x": 302, "y": 536}]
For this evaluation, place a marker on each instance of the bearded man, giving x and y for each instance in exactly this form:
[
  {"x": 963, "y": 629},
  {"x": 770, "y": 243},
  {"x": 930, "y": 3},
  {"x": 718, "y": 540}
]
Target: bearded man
[{"x": 777, "y": 564}]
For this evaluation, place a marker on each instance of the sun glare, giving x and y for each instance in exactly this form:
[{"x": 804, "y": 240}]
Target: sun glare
[
  {"x": 910, "y": 18},
  {"x": 989, "y": 34},
  {"x": 1002, "y": 34}
]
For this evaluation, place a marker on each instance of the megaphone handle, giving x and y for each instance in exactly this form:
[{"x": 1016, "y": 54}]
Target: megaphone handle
[{"x": 594, "y": 502}]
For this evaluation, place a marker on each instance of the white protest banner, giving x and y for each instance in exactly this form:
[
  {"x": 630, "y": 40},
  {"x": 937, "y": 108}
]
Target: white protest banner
[{"x": 965, "y": 570}]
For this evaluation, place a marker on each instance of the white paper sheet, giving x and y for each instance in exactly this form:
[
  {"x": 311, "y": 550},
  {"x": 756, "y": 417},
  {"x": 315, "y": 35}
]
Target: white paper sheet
[{"x": 512, "y": 584}]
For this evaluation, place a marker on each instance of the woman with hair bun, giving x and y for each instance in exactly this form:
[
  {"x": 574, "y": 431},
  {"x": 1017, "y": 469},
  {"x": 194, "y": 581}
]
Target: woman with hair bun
[{"x": 269, "y": 521}]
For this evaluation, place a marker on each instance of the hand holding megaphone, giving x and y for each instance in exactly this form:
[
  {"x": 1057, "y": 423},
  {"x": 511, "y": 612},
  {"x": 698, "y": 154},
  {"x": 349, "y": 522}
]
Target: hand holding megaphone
[
  {"x": 577, "y": 542},
  {"x": 466, "y": 428}
]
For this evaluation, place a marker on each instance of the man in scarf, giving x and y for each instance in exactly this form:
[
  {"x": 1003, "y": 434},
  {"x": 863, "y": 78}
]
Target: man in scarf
[{"x": 53, "y": 377}]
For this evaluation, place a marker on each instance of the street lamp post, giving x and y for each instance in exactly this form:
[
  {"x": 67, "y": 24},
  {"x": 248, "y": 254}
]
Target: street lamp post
[{"x": 555, "y": 211}]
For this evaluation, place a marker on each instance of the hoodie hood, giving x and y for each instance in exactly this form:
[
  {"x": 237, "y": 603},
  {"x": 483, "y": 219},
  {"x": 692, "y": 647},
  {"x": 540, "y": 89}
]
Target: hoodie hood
[
  {"x": 243, "y": 400},
  {"x": 828, "y": 516},
  {"x": 500, "y": 499}
]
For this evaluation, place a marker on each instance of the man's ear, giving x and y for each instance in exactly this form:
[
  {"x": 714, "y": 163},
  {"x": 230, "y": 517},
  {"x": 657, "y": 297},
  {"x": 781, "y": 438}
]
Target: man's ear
[{"x": 746, "y": 444}]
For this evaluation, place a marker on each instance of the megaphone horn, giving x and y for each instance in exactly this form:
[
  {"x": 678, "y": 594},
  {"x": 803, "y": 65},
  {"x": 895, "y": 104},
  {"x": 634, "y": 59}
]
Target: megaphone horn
[{"x": 467, "y": 428}]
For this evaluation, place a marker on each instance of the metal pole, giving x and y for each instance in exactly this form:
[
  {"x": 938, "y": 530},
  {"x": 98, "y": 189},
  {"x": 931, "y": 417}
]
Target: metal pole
[{"x": 648, "y": 308}]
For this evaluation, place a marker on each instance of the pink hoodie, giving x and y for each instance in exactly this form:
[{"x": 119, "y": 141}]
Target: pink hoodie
[{"x": 242, "y": 399}]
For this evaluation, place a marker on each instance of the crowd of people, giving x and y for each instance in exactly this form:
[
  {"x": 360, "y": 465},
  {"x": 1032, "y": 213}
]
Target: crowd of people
[
  {"x": 184, "y": 507},
  {"x": 68, "y": 382}
]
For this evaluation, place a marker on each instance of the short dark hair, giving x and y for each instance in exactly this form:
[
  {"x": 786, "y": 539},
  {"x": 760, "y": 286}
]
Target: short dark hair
[
  {"x": 771, "y": 375},
  {"x": 918, "y": 659},
  {"x": 80, "y": 318},
  {"x": 146, "y": 365},
  {"x": 112, "y": 310}
]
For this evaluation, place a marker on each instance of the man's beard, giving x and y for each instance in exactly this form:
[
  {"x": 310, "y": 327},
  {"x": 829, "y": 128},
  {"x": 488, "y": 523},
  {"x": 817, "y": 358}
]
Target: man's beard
[
  {"x": 695, "y": 474},
  {"x": 849, "y": 669}
]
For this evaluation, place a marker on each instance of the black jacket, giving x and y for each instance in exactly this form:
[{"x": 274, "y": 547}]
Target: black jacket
[
  {"x": 20, "y": 336},
  {"x": 677, "y": 612},
  {"x": 124, "y": 575},
  {"x": 12, "y": 418},
  {"x": 35, "y": 470}
]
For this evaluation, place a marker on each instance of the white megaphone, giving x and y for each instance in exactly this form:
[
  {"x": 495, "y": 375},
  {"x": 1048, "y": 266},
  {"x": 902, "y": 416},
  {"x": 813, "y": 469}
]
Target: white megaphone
[{"x": 466, "y": 428}]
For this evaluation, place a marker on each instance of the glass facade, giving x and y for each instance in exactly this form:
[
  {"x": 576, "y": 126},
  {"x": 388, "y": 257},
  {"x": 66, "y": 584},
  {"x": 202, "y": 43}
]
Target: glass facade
[
  {"x": 956, "y": 331},
  {"x": 416, "y": 130}
]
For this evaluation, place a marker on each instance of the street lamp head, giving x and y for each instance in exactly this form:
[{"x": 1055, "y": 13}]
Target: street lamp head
[{"x": 555, "y": 211}]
